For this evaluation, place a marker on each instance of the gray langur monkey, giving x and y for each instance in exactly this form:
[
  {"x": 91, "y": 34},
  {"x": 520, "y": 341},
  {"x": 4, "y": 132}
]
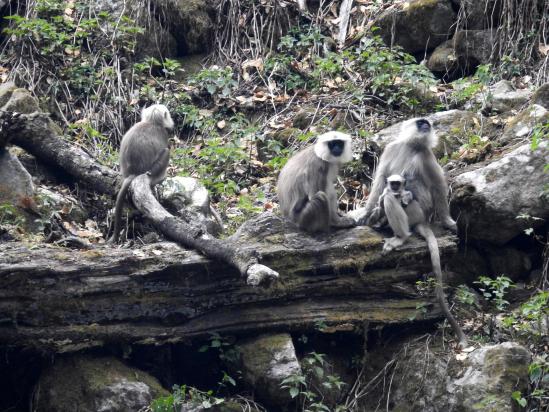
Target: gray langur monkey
[
  {"x": 144, "y": 149},
  {"x": 411, "y": 156},
  {"x": 306, "y": 184}
]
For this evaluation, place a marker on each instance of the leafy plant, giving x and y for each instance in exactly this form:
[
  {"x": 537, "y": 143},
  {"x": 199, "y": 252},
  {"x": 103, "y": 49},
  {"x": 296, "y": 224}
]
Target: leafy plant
[
  {"x": 308, "y": 385},
  {"x": 494, "y": 290},
  {"x": 185, "y": 395},
  {"x": 215, "y": 81},
  {"x": 10, "y": 215}
]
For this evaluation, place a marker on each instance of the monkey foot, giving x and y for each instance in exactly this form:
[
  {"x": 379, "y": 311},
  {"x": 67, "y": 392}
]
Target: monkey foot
[
  {"x": 392, "y": 243},
  {"x": 450, "y": 224},
  {"x": 257, "y": 274}
]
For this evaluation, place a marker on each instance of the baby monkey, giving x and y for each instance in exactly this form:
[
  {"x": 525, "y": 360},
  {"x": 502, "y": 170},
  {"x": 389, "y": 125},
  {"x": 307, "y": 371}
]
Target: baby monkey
[
  {"x": 395, "y": 187},
  {"x": 144, "y": 149}
]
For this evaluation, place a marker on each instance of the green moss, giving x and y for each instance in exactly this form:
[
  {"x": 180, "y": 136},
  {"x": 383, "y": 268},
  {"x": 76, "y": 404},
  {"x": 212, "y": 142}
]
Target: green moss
[{"x": 421, "y": 4}]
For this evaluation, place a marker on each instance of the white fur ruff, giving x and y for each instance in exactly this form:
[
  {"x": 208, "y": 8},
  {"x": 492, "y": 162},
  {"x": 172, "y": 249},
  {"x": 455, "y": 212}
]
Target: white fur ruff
[
  {"x": 159, "y": 114},
  {"x": 323, "y": 152}
]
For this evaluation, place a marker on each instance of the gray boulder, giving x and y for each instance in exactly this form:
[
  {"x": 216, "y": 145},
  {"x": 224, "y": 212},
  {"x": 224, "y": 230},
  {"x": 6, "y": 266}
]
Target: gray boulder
[
  {"x": 541, "y": 96},
  {"x": 521, "y": 127},
  {"x": 422, "y": 25},
  {"x": 503, "y": 97},
  {"x": 492, "y": 374},
  {"x": 90, "y": 384},
  {"x": 478, "y": 14},
  {"x": 453, "y": 128},
  {"x": 6, "y": 90},
  {"x": 483, "y": 380},
  {"x": 188, "y": 198},
  {"x": 500, "y": 200},
  {"x": 16, "y": 186},
  {"x": 266, "y": 361},
  {"x": 21, "y": 101},
  {"x": 475, "y": 45}
]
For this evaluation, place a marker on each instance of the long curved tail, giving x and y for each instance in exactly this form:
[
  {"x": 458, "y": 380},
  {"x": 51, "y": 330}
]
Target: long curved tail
[
  {"x": 118, "y": 208},
  {"x": 432, "y": 244}
]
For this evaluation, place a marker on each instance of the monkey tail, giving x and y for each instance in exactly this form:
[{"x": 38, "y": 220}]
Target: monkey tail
[
  {"x": 432, "y": 244},
  {"x": 118, "y": 208}
]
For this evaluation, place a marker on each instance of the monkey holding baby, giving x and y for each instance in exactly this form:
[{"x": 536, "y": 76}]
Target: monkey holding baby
[{"x": 409, "y": 187}]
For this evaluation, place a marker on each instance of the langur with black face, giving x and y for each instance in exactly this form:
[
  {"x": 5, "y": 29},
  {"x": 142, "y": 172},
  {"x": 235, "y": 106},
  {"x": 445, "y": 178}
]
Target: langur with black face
[
  {"x": 411, "y": 158},
  {"x": 144, "y": 149},
  {"x": 305, "y": 187}
]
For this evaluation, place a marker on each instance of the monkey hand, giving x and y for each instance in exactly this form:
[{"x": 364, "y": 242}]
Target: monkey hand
[
  {"x": 257, "y": 274},
  {"x": 450, "y": 224}
]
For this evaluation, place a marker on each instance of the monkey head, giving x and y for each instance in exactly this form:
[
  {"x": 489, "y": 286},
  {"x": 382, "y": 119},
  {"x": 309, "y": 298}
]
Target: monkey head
[
  {"x": 396, "y": 183},
  {"x": 334, "y": 147},
  {"x": 418, "y": 131},
  {"x": 157, "y": 114}
]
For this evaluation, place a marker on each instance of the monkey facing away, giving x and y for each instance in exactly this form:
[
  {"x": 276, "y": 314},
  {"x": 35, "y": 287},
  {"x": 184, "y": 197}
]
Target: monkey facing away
[
  {"x": 144, "y": 149},
  {"x": 411, "y": 156},
  {"x": 306, "y": 184}
]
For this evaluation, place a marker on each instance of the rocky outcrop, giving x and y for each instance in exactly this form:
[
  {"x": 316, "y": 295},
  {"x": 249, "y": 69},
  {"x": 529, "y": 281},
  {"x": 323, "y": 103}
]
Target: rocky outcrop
[
  {"x": 16, "y": 188},
  {"x": 484, "y": 379},
  {"x": 499, "y": 201},
  {"x": 421, "y": 25},
  {"x": 478, "y": 14},
  {"x": 503, "y": 97},
  {"x": 541, "y": 96},
  {"x": 266, "y": 361},
  {"x": 188, "y": 198},
  {"x": 89, "y": 384},
  {"x": 453, "y": 128},
  {"x": 521, "y": 127}
]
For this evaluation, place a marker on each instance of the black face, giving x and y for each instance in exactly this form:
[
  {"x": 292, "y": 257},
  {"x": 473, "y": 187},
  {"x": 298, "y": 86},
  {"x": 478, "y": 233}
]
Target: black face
[
  {"x": 336, "y": 147},
  {"x": 395, "y": 186},
  {"x": 423, "y": 125}
]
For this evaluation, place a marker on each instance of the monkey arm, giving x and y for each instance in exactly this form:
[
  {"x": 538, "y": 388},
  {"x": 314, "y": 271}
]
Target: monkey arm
[{"x": 439, "y": 191}]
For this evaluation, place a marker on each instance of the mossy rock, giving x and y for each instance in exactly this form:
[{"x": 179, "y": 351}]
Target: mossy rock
[
  {"x": 541, "y": 96},
  {"x": 424, "y": 24},
  {"x": 22, "y": 101},
  {"x": 91, "y": 384},
  {"x": 192, "y": 25},
  {"x": 6, "y": 90}
]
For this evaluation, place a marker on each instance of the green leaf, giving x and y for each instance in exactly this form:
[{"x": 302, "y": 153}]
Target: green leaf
[{"x": 294, "y": 392}]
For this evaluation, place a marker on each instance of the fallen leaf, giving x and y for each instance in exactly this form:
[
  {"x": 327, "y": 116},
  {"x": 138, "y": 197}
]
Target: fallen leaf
[{"x": 221, "y": 124}]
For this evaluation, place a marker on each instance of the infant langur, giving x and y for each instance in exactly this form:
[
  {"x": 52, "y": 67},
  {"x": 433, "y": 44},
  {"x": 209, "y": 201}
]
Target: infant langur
[
  {"x": 144, "y": 149},
  {"x": 395, "y": 187},
  {"x": 306, "y": 184}
]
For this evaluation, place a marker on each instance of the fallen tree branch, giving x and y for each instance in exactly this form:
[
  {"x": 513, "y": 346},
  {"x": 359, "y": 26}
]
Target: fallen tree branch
[
  {"x": 188, "y": 234},
  {"x": 37, "y": 134}
]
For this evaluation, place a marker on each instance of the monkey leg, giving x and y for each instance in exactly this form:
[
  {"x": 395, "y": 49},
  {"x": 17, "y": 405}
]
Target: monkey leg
[
  {"x": 392, "y": 243},
  {"x": 159, "y": 166},
  {"x": 397, "y": 217},
  {"x": 315, "y": 215},
  {"x": 336, "y": 220}
]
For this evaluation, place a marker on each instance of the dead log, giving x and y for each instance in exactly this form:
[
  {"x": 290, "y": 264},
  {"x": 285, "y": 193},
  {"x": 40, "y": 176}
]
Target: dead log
[
  {"x": 38, "y": 135},
  {"x": 57, "y": 299}
]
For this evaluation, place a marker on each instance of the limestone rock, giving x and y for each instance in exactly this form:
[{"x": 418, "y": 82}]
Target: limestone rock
[
  {"x": 494, "y": 373},
  {"x": 266, "y": 361},
  {"x": 541, "y": 96},
  {"x": 453, "y": 128},
  {"x": 523, "y": 124},
  {"x": 488, "y": 200},
  {"x": 89, "y": 384},
  {"x": 475, "y": 45},
  {"x": 21, "y": 101},
  {"x": 503, "y": 97},
  {"x": 49, "y": 200},
  {"x": 428, "y": 381},
  {"x": 6, "y": 90},
  {"x": 187, "y": 197},
  {"x": 423, "y": 24},
  {"x": 15, "y": 182},
  {"x": 478, "y": 14},
  {"x": 191, "y": 24},
  {"x": 445, "y": 62}
]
